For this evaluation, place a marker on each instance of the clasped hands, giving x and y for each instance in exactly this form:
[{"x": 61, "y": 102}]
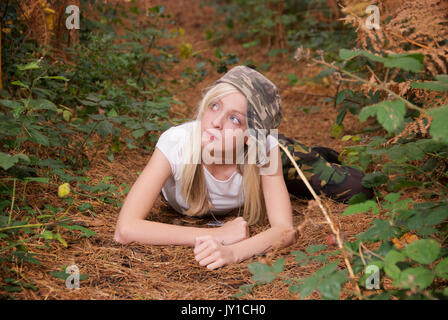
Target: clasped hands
[{"x": 217, "y": 250}]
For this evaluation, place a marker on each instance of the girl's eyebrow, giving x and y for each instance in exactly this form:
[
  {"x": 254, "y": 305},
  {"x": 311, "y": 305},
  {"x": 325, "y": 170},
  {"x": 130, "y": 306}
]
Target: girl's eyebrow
[{"x": 235, "y": 110}]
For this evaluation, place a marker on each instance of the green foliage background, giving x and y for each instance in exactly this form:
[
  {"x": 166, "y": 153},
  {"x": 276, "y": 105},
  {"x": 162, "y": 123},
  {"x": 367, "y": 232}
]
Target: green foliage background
[{"x": 114, "y": 88}]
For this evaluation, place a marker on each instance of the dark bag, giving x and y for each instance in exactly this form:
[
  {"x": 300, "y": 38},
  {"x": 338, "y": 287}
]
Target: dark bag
[{"x": 323, "y": 170}]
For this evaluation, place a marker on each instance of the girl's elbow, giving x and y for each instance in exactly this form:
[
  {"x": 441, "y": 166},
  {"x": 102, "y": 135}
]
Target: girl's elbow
[
  {"x": 121, "y": 235},
  {"x": 288, "y": 236}
]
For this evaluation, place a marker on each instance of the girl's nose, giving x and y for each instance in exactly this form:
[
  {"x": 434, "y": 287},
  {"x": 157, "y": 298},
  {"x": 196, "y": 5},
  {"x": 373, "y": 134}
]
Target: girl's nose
[{"x": 217, "y": 122}]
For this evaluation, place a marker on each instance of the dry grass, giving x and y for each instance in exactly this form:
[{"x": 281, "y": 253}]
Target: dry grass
[{"x": 136, "y": 271}]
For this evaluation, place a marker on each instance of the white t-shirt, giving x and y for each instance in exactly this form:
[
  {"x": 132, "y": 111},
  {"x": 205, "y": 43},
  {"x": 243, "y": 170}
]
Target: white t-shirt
[{"x": 223, "y": 193}]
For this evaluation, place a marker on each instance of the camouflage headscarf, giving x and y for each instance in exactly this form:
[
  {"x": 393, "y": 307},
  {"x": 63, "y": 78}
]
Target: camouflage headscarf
[{"x": 264, "y": 110}]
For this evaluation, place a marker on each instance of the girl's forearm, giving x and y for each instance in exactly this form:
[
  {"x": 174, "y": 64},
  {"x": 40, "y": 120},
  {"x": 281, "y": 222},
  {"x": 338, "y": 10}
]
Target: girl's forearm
[
  {"x": 272, "y": 237},
  {"x": 156, "y": 233}
]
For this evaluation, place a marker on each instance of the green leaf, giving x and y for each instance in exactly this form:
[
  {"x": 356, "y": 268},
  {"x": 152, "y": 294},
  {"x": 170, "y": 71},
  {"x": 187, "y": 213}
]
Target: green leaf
[
  {"x": 85, "y": 206},
  {"x": 29, "y": 66},
  {"x": 10, "y": 104},
  {"x": 12, "y": 288},
  {"x": 361, "y": 207},
  {"x": 374, "y": 179},
  {"x": 381, "y": 230},
  {"x": 42, "y": 104},
  {"x": 348, "y": 54},
  {"x": 48, "y": 235},
  {"x": 404, "y": 61},
  {"x": 301, "y": 257},
  {"x": 340, "y": 97},
  {"x": 442, "y": 269},
  {"x": 390, "y": 261},
  {"x": 92, "y": 96},
  {"x": 336, "y": 130},
  {"x": 278, "y": 266},
  {"x": 392, "y": 197},
  {"x": 326, "y": 270},
  {"x": 88, "y": 103},
  {"x": 61, "y": 240},
  {"x": 390, "y": 114},
  {"x": 20, "y": 84},
  {"x": 439, "y": 128},
  {"x": 104, "y": 128},
  {"x": 330, "y": 287},
  {"x": 357, "y": 198},
  {"x": 7, "y": 161},
  {"x": 275, "y": 52},
  {"x": 138, "y": 133},
  {"x": 85, "y": 231},
  {"x": 244, "y": 289},
  {"x": 424, "y": 251},
  {"x": 250, "y": 44},
  {"x": 401, "y": 183},
  {"x": 26, "y": 256},
  {"x": 292, "y": 78},
  {"x": 56, "y": 78},
  {"x": 37, "y": 179},
  {"x": 38, "y": 137},
  {"x": 66, "y": 115},
  {"x": 315, "y": 248},
  {"x": 419, "y": 276},
  {"x": 112, "y": 113},
  {"x": 442, "y": 78},
  {"x": 431, "y": 86},
  {"x": 261, "y": 272},
  {"x": 308, "y": 286}
]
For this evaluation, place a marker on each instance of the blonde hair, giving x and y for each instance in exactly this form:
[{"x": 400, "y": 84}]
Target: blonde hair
[{"x": 194, "y": 189}]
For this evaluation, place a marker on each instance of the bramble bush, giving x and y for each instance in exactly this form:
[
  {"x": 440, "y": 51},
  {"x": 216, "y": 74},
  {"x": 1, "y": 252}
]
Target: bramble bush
[
  {"x": 405, "y": 149},
  {"x": 108, "y": 85}
]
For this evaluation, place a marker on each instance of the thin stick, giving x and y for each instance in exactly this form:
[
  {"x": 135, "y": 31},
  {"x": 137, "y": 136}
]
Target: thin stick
[
  {"x": 409, "y": 40},
  {"x": 327, "y": 217},
  {"x": 370, "y": 252},
  {"x": 12, "y": 202},
  {"x": 361, "y": 255}
]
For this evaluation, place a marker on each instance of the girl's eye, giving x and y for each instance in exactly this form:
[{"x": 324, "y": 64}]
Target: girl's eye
[
  {"x": 238, "y": 122},
  {"x": 235, "y": 120}
]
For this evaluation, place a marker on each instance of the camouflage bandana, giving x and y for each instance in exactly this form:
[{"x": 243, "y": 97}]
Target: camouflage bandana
[{"x": 264, "y": 110}]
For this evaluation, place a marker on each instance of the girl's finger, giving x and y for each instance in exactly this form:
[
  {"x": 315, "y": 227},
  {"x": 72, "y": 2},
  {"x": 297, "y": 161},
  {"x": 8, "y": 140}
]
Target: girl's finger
[
  {"x": 218, "y": 263},
  {"x": 209, "y": 259},
  {"x": 203, "y": 245},
  {"x": 200, "y": 239},
  {"x": 205, "y": 253}
]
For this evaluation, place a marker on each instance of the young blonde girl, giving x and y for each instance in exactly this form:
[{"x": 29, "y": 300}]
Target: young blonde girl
[
  {"x": 227, "y": 158},
  {"x": 246, "y": 104}
]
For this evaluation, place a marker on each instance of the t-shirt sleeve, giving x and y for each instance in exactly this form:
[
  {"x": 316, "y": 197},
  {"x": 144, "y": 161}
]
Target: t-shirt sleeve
[{"x": 168, "y": 146}]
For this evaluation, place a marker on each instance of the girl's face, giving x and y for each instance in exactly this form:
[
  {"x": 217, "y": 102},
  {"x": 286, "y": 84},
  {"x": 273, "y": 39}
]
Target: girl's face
[{"x": 225, "y": 116}]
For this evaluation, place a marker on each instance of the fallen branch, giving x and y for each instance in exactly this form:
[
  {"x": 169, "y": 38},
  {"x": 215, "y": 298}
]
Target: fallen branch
[{"x": 327, "y": 217}]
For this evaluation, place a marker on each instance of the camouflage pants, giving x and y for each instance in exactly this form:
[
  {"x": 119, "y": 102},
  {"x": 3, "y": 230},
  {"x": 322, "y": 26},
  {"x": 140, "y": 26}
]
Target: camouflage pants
[{"x": 323, "y": 170}]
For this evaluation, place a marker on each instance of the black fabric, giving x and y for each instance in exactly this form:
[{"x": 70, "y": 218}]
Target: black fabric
[{"x": 324, "y": 171}]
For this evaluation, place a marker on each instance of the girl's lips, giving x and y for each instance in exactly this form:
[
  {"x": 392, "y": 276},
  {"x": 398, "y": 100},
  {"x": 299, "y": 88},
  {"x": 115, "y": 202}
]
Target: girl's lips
[{"x": 212, "y": 137}]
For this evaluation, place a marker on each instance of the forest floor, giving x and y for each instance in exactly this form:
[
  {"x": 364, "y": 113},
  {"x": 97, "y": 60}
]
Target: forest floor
[{"x": 136, "y": 271}]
